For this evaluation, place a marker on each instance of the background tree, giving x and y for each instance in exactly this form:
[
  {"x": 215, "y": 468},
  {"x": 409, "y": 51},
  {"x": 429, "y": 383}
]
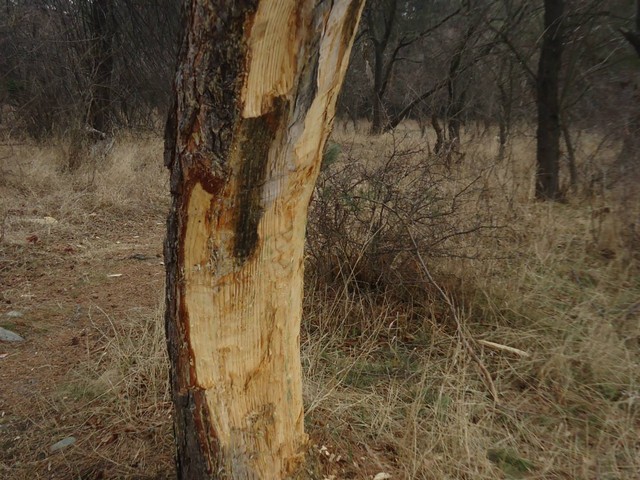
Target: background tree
[
  {"x": 253, "y": 109},
  {"x": 391, "y": 31},
  {"x": 102, "y": 27},
  {"x": 630, "y": 151},
  {"x": 548, "y": 103},
  {"x": 452, "y": 66},
  {"x": 65, "y": 64}
]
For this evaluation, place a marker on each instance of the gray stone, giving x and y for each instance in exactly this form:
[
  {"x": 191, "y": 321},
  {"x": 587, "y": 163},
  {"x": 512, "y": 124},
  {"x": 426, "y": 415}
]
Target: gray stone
[
  {"x": 9, "y": 336},
  {"x": 65, "y": 442},
  {"x": 14, "y": 314}
]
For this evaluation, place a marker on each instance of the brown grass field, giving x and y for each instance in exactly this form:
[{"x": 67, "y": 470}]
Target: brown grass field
[{"x": 510, "y": 351}]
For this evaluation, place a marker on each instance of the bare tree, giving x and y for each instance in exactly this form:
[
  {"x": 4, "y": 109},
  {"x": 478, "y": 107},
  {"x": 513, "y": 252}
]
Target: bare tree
[
  {"x": 392, "y": 27},
  {"x": 65, "y": 64},
  {"x": 470, "y": 44},
  {"x": 547, "y": 100},
  {"x": 631, "y": 132},
  {"x": 101, "y": 19},
  {"x": 380, "y": 18},
  {"x": 255, "y": 95}
]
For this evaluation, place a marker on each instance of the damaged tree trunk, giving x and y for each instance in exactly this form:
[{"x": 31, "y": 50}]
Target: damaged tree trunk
[{"x": 255, "y": 93}]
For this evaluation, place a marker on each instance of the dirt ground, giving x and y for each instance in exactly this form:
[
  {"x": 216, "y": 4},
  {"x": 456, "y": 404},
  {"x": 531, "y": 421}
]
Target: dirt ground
[{"x": 67, "y": 286}]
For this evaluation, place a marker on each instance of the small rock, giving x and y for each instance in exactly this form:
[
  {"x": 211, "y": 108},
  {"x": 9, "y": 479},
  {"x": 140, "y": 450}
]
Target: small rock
[
  {"x": 14, "y": 314},
  {"x": 9, "y": 336},
  {"x": 65, "y": 442}
]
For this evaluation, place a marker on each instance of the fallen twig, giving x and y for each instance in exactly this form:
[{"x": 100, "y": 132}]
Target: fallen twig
[{"x": 506, "y": 348}]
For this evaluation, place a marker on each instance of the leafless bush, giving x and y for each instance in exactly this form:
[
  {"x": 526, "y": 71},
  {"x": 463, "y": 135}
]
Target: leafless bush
[{"x": 371, "y": 202}]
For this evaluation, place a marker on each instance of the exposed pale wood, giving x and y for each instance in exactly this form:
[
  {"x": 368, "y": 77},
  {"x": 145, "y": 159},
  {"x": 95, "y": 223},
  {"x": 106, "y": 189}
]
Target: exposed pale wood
[
  {"x": 236, "y": 231},
  {"x": 273, "y": 69}
]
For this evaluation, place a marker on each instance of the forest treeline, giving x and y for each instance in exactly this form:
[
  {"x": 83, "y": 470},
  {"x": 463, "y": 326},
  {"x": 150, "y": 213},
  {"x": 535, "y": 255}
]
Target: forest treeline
[{"x": 556, "y": 67}]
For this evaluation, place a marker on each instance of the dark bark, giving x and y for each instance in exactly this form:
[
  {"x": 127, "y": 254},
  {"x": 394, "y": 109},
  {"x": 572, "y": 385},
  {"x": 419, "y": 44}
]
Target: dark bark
[
  {"x": 547, "y": 86},
  {"x": 406, "y": 111},
  {"x": 456, "y": 98},
  {"x": 455, "y": 104},
  {"x": 505, "y": 91},
  {"x": 631, "y": 133},
  {"x": 198, "y": 87},
  {"x": 504, "y": 121},
  {"x": 382, "y": 18}
]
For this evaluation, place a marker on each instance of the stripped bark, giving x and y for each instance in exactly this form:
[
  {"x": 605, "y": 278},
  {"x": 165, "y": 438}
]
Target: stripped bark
[{"x": 255, "y": 94}]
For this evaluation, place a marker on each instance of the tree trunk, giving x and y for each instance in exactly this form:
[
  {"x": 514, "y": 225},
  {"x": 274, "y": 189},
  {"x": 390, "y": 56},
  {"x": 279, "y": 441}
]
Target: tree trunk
[
  {"x": 504, "y": 115},
  {"x": 571, "y": 156},
  {"x": 102, "y": 30},
  {"x": 381, "y": 21},
  {"x": 378, "y": 113},
  {"x": 255, "y": 94},
  {"x": 547, "y": 83},
  {"x": 455, "y": 96},
  {"x": 631, "y": 137}
]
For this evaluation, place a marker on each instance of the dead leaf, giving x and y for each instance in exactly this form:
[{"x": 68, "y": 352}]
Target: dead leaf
[{"x": 33, "y": 238}]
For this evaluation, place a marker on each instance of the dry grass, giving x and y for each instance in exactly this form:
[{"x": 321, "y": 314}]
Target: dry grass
[{"x": 394, "y": 383}]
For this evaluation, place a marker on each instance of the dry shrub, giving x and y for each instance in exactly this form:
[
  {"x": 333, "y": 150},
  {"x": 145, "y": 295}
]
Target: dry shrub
[{"x": 382, "y": 200}]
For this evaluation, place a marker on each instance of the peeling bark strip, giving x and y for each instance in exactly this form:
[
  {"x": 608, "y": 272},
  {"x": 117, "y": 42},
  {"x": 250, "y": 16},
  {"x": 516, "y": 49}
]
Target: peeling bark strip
[{"x": 255, "y": 92}]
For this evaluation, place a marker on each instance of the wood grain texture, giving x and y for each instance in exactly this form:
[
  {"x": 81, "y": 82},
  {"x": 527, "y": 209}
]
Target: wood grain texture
[{"x": 255, "y": 95}]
